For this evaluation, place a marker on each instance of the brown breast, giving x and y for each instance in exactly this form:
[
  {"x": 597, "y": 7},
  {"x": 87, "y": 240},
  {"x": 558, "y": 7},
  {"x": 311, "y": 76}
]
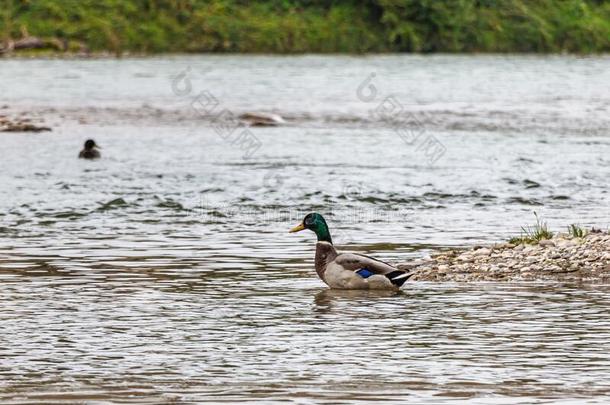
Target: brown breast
[{"x": 325, "y": 253}]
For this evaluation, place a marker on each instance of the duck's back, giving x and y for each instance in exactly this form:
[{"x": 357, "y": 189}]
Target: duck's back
[{"x": 89, "y": 154}]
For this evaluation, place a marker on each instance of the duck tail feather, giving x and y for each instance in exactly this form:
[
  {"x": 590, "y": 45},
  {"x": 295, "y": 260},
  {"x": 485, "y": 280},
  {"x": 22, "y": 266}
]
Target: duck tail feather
[{"x": 399, "y": 277}]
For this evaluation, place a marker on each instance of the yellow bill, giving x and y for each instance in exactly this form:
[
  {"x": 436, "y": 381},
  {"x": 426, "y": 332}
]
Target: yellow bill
[{"x": 297, "y": 228}]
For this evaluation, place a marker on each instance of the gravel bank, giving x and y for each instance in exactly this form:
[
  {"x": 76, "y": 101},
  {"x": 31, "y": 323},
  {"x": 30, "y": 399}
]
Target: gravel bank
[{"x": 562, "y": 258}]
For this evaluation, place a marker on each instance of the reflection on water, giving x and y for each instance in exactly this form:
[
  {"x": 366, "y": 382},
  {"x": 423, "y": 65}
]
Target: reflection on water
[{"x": 164, "y": 272}]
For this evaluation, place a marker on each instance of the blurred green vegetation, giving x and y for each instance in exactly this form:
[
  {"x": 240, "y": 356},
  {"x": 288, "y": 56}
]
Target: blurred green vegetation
[{"x": 285, "y": 26}]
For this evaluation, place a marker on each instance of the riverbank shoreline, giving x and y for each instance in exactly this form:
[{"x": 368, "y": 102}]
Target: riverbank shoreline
[
  {"x": 298, "y": 27},
  {"x": 107, "y": 55},
  {"x": 563, "y": 257}
]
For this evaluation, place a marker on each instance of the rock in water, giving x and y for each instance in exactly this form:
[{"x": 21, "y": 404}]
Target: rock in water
[
  {"x": 262, "y": 119},
  {"x": 20, "y": 125}
]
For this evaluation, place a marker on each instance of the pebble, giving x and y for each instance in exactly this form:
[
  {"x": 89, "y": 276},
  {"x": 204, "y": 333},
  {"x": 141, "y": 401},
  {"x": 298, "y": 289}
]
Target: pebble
[
  {"x": 528, "y": 249},
  {"x": 482, "y": 252}
]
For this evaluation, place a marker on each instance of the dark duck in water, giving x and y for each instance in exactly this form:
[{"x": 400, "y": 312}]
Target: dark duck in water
[{"x": 90, "y": 150}]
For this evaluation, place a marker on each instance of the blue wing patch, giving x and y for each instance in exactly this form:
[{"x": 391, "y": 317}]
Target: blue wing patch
[{"x": 364, "y": 273}]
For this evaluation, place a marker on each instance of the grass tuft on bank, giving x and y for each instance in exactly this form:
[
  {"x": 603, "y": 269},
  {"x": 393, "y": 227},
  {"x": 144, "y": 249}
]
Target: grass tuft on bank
[{"x": 533, "y": 234}]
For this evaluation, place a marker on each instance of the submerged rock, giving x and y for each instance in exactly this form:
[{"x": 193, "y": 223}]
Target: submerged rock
[
  {"x": 562, "y": 258},
  {"x": 262, "y": 119},
  {"x": 20, "y": 125}
]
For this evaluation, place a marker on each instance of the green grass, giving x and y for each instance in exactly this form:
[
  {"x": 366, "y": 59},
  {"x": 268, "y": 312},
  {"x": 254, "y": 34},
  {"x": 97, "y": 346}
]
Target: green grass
[
  {"x": 298, "y": 26},
  {"x": 576, "y": 231},
  {"x": 532, "y": 234}
]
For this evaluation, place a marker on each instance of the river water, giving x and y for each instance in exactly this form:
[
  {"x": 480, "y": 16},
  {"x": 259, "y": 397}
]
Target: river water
[{"x": 164, "y": 271}]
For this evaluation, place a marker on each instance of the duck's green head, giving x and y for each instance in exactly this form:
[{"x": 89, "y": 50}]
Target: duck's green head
[{"x": 315, "y": 223}]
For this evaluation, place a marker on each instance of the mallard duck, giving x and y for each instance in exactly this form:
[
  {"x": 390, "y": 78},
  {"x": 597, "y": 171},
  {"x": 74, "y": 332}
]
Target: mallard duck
[
  {"x": 90, "y": 150},
  {"x": 349, "y": 271}
]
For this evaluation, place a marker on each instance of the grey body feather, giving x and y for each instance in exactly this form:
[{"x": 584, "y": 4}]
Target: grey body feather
[{"x": 338, "y": 270}]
